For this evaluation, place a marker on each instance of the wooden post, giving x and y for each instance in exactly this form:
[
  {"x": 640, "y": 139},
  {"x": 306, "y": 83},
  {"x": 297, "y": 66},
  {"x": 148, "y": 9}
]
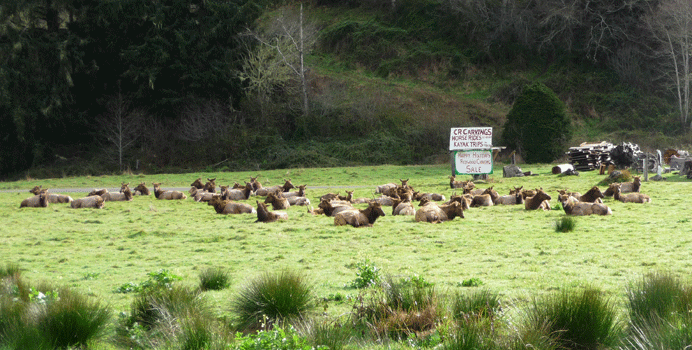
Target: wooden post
[{"x": 646, "y": 168}]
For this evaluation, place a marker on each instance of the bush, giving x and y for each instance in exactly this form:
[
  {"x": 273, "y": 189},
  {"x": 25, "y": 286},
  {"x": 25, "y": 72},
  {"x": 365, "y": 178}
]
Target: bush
[
  {"x": 280, "y": 338},
  {"x": 565, "y": 224},
  {"x": 537, "y": 126},
  {"x": 273, "y": 297},
  {"x": 579, "y": 319},
  {"x": 214, "y": 279},
  {"x": 367, "y": 275}
]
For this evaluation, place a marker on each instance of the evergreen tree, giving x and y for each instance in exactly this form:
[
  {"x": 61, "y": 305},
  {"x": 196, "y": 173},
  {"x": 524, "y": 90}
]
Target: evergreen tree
[{"x": 537, "y": 126}]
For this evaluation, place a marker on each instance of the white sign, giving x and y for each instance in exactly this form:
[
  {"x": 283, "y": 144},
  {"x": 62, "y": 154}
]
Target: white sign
[
  {"x": 473, "y": 162},
  {"x": 471, "y": 138}
]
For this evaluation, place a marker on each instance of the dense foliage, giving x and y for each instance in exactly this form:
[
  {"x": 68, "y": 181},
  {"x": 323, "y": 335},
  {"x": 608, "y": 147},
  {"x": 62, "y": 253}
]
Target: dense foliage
[
  {"x": 87, "y": 86},
  {"x": 538, "y": 126}
]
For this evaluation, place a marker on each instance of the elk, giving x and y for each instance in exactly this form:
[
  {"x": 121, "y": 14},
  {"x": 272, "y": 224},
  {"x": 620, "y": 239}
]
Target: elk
[
  {"x": 197, "y": 183},
  {"x": 453, "y": 183},
  {"x": 593, "y": 195},
  {"x": 331, "y": 208},
  {"x": 98, "y": 192},
  {"x": 161, "y": 194},
  {"x": 95, "y": 202},
  {"x": 125, "y": 194},
  {"x": 400, "y": 207},
  {"x": 264, "y": 191},
  {"x": 237, "y": 194},
  {"x": 486, "y": 199},
  {"x": 514, "y": 197},
  {"x": 264, "y": 215},
  {"x": 201, "y": 195},
  {"x": 210, "y": 186},
  {"x": 540, "y": 200},
  {"x": 630, "y": 197},
  {"x": 222, "y": 206},
  {"x": 52, "y": 197},
  {"x": 39, "y": 200},
  {"x": 625, "y": 187},
  {"x": 433, "y": 213},
  {"x": 142, "y": 189},
  {"x": 277, "y": 201},
  {"x": 572, "y": 206},
  {"x": 359, "y": 217}
]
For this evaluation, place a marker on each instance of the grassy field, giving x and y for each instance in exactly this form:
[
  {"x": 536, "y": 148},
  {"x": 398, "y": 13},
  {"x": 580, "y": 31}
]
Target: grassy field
[{"x": 511, "y": 251}]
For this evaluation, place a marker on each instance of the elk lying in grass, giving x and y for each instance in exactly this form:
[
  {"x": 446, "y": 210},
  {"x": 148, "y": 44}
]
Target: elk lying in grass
[
  {"x": 277, "y": 201},
  {"x": 625, "y": 187},
  {"x": 210, "y": 186},
  {"x": 386, "y": 189},
  {"x": 95, "y": 202},
  {"x": 331, "y": 208},
  {"x": 264, "y": 215},
  {"x": 142, "y": 189},
  {"x": 514, "y": 197},
  {"x": 236, "y": 194},
  {"x": 197, "y": 183},
  {"x": 170, "y": 195},
  {"x": 125, "y": 194},
  {"x": 230, "y": 207},
  {"x": 572, "y": 206},
  {"x": 454, "y": 184},
  {"x": 400, "y": 207},
  {"x": 593, "y": 195},
  {"x": 540, "y": 200},
  {"x": 433, "y": 213},
  {"x": 432, "y": 196},
  {"x": 201, "y": 195},
  {"x": 630, "y": 197},
  {"x": 39, "y": 200},
  {"x": 359, "y": 217},
  {"x": 298, "y": 197},
  {"x": 98, "y": 192},
  {"x": 51, "y": 197},
  {"x": 264, "y": 191}
]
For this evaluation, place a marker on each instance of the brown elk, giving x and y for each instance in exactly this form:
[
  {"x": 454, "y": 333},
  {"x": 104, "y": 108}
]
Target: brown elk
[
  {"x": 514, "y": 197},
  {"x": 540, "y": 200},
  {"x": 222, "y": 206},
  {"x": 52, "y": 197},
  {"x": 201, "y": 195},
  {"x": 625, "y": 187},
  {"x": 98, "y": 192},
  {"x": 142, "y": 189},
  {"x": 434, "y": 213},
  {"x": 572, "y": 206},
  {"x": 630, "y": 197},
  {"x": 161, "y": 194},
  {"x": 125, "y": 194},
  {"x": 264, "y": 191},
  {"x": 95, "y": 202},
  {"x": 593, "y": 195},
  {"x": 264, "y": 215},
  {"x": 197, "y": 183},
  {"x": 39, "y": 200},
  {"x": 331, "y": 208},
  {"x": 277, "y": 201},
  {"x": 454, "y": 184},
  {"x": 401, "y": 207},
  {"x": 486, "y": 199},
  {"x": 237, "y": 194},
  {"x": 210, "y": 186},
  {"x": 359, "y": 217}
]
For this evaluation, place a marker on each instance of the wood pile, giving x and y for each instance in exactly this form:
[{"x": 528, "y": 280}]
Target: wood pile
[{"x": 590, "y": 156}]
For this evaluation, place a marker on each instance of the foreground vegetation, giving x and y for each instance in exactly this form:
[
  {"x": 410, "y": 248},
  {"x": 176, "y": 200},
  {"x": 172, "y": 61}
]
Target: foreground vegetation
[{"x": 365, "y": 285}]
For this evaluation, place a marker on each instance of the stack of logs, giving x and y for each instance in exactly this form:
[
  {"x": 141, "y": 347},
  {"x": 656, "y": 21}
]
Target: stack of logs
[{"x": 590, "y": 156}]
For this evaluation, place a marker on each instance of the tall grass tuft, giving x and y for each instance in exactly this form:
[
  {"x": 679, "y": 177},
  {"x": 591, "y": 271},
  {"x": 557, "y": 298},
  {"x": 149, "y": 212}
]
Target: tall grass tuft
[
  {"x": 333, "y": 334},
  {"x": 470, "y": 336},
  {"x": 479, "y": 304},
  {"x": 660, "y": 334},
  {"x": 657, "y": 295},
  {"x": 274, "y": 297},
  {"x": 565, "y": 224},
  {"x": 580, "y": 319},
  {"x": 10, "y": 270},
  {"x": 214, "y": 279}
]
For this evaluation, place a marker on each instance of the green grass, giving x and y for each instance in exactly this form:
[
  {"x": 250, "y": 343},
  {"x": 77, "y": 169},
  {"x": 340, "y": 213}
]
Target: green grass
[{"x": 515, "y": 253}]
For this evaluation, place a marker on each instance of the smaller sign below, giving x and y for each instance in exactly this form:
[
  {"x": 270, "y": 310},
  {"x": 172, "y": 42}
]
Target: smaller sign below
[
  {"x": 473, "y": 162},
  {"x": 470, "y": 138}
]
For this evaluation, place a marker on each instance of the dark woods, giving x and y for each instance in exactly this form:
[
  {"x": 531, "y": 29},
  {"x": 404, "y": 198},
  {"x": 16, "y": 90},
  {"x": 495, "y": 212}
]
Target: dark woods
[{"x": 180, "y": 83}]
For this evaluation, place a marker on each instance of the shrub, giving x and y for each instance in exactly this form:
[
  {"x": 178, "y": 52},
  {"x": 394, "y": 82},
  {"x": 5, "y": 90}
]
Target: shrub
[
  {"x": 537, "y": 126},
  {"x": 273, "y": 297},
  {"x": 367, "y": 275},
  {"x": 581, "y": 319},
  {"x": 657, "y": 296},
  {"x": 479, "y": 304},
  {"x": 565, "y": 224},
  {"x": 280, "y": 338},
  {"x": 214, "y": 279},
  {"x": 162, "y": 278}
]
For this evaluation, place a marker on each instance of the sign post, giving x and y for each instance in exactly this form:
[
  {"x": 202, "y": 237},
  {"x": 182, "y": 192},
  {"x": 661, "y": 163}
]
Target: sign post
[{"x": 473, "y": 150}]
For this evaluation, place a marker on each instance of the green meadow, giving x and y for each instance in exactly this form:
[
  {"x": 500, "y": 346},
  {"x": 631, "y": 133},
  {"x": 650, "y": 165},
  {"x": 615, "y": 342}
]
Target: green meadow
[{"x": 506, "y": 249}]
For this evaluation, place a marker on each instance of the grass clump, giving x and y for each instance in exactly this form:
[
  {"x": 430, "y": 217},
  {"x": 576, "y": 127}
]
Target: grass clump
[
  {"x": 565, "y": 224},
  {"x": 481, "y": 303},
  {"x": 272, "y": 298},
  {"x": 214, "y": 279},
  {"x": 48, "y": 317},
  {"x": 577, "y": 319}
]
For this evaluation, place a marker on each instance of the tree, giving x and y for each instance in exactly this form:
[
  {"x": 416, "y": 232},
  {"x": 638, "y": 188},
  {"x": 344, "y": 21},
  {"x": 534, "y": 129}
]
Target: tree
[
  {"x": 537, "y": 126},
  {"x": 120, "y": 126},
  {"x": 671, "y": 28}
]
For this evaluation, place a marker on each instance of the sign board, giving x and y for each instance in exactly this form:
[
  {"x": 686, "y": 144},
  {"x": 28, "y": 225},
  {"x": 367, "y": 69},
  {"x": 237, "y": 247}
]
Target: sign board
[
  {"x": 471, "y": 138},
  {"x": 473, "y": 162}
]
